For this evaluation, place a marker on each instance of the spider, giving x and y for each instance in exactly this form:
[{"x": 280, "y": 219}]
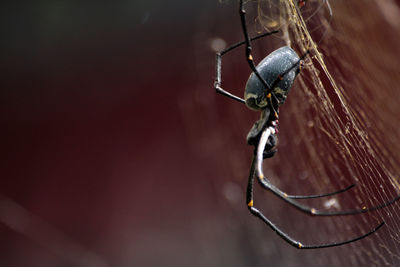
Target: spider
[{"x": 266, "y": 89}]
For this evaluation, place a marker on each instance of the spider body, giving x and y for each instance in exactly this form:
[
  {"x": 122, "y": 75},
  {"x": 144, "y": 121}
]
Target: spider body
[{"x": 272, "y": 66}]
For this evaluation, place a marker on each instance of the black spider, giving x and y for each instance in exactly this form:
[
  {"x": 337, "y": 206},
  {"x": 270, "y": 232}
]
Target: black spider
[{"x": 267, "y": 89}]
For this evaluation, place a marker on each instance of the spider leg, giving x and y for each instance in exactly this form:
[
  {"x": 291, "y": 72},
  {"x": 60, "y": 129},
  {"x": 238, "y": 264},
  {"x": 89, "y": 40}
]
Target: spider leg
[
  {"x": 312, "y": 211},
  {"x": 321, "y": 195},
  {"x": 247, "y": 39},
  {"x": 282, "y": 234},
  {"x": 217, "y": 83}
]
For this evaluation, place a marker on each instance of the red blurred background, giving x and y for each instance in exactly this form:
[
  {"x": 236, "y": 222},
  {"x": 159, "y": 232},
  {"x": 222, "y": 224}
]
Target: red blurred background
[
  {"x": 116, "y": 151},
  {"x": 93, "y": 137}
]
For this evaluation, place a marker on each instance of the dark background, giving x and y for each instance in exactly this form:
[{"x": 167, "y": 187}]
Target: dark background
[{"x": 116, "y": 151}]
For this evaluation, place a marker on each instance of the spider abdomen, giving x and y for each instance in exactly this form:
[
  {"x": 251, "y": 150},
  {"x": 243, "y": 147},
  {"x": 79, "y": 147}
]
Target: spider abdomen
[{"x": 279, "y": 69}]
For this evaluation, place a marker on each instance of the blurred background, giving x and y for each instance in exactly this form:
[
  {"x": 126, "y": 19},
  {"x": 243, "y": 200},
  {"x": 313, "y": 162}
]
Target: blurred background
[{"x": 116, "y": 151}]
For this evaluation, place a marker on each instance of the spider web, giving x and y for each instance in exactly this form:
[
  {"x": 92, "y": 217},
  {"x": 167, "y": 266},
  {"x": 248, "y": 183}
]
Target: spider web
[{"x": 341, "y": 117}]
